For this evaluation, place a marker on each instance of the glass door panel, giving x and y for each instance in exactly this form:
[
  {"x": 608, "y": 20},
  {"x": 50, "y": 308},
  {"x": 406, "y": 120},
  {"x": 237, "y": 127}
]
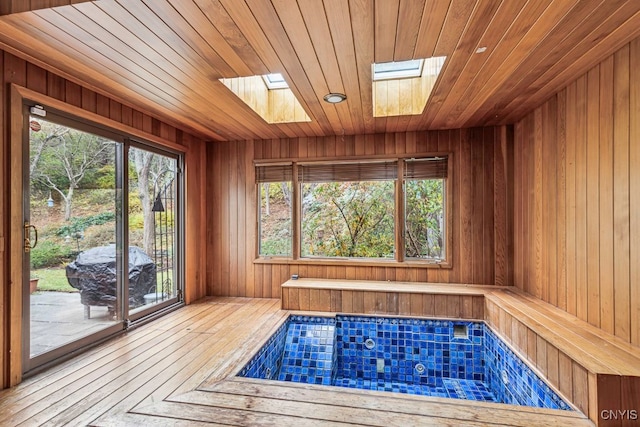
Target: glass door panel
[
  {"x": 152, "y": 230},
  {"x": 71, "y": 221}
]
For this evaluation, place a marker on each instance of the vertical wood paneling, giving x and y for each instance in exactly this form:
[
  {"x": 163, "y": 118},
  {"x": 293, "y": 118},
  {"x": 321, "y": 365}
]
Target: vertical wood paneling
[
  {"x": 605, "y": 180},
  {"x": 464, "y": 221},
  {"x": 536, "y": 286},
  {"x": 585, "y": 197},
  {"x": 570, "y": 199},
  {"x": 561, "y": 208},
  {"x": 4, "y": 230},
  {"x": 593, "y": 197},
  {"x": 581, "y": 198},
  {"x": 621, "y": 213},
  {"x": 479, "y": 193},
  {"x": 490, "y": 142},
  {"x": 634, "y": 191}
]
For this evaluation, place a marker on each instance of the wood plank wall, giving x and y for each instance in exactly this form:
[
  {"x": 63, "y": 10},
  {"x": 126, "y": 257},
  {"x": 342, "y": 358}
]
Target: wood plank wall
[
  {"x": 481, "y": 226},
  {"x": 577, "y": 197},
  {"x": 17, "y": 71}
]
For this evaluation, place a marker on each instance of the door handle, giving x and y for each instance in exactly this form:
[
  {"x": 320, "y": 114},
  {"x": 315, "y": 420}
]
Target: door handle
[{"x": 27, "y": 236}]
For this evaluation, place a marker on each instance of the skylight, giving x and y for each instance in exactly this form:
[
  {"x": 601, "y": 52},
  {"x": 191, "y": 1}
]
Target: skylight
[
  {"x": 269, "y": 96},
  {"x": 275, "y": 81},
  {"x": 403, "y": 88},
  {"x": 397, "y": 70}
]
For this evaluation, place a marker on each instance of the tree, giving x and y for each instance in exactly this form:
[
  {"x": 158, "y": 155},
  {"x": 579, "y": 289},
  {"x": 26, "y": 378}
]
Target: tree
[
  {"x": 348, "y": 219},
  {"x": 151, "y": 175},
  {"x": 142, "y": 161},
  {"x": 61, "y": 158},
  {"x": 39, "y": 140},
  {"x": 424, "y": 214}
]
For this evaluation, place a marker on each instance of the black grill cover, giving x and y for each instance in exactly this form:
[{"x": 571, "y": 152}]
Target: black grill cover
[{"x": 93, "y": 273}]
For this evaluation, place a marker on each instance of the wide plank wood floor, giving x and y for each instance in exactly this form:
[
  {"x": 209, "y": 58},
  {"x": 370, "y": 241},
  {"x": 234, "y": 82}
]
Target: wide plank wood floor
[{"x": 179, "y": 371}]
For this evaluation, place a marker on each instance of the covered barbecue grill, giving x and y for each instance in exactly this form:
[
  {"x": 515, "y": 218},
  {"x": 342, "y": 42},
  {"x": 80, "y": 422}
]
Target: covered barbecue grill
[{"x": 93, "y": 273}]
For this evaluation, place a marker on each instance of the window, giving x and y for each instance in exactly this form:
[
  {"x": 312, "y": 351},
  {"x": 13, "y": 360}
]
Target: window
[
  {"x": 275, "y": 81},
  {"x": 424, "y": 195},
  {"x": 397, "y": 70},
  {"x": 275, "y": 201},
  {"x": 348, "y": 210},
  {"x": 352, "y": 210}
]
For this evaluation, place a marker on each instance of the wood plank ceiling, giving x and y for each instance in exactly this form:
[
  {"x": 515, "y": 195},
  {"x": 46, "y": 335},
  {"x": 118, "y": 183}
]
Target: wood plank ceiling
[{"x": 166, "y": 56}]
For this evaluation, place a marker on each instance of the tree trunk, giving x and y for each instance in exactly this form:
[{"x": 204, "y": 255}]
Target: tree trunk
[
  {"x": 143, "y": 166},
  {"x": 67, "y": 203},
  {"x": 267, "y": 211}
]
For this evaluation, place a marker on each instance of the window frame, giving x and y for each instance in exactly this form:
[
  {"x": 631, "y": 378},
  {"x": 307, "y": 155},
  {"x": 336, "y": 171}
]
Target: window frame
[
  {"x": 399, "y": 259},
  {"x": 258, "y": 182}
]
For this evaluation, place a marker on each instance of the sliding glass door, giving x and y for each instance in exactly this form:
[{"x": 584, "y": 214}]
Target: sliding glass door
[
  {"x": 94, "y": 202},
  {"x": 153, "y": 230}
]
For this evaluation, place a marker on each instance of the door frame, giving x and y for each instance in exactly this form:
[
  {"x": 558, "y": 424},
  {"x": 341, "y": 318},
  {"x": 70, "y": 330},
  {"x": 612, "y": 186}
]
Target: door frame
[
  {"x": 18, "y": 97},
  {"x": 35, "y": 363},
  {"x": 179, "y": 225}
]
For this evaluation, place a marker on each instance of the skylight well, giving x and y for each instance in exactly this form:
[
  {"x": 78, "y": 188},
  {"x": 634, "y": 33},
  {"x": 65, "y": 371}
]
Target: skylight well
[
  {"x": 403, "y": 87},
  {"x": 269, "y": 96}
]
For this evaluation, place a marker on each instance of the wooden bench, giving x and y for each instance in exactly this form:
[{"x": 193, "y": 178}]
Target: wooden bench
[
  {"x": 596, "y": 371},
  {"x": 400, "y": 298}
]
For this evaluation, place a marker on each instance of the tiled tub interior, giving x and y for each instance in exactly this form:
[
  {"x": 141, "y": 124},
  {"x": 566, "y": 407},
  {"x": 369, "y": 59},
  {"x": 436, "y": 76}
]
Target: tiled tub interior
[{"x": 444, "y": 358}]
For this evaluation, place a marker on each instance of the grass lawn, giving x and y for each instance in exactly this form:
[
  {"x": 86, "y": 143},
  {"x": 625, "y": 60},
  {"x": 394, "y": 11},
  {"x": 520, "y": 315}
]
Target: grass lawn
[
  {"x": 52, "y": 279},
  {"x": 55, "y": 279}
]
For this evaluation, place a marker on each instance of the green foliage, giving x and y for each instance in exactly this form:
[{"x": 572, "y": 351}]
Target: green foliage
[
  {"x": 275, "y": 219},
  {"x": 50, "y": 254},
  {"x": 99, "y": 235},
  {"x": 424, "y": 213},
  {"x": 355, "y": 219},
  {"x": 95, "y": 197},
  {"x": 103, "y": 178},
  {"x": 136, "y": 221},
  {"x": 135, "y": 205},
  {"x": 78, "y": 224},
  {"x": 348, "y": 219},
  {"x": 275, "y": 247}
]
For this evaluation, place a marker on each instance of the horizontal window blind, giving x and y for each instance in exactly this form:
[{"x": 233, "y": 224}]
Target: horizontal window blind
[
  {"x": 348, "y": 172},
  {"x": 274, "y": 173},
  {"x": 429, "y": 168}
]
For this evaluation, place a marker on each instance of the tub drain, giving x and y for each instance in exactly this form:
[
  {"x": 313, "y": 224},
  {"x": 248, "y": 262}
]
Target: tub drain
[
  {"x": 420, "y": 368},
  {"x": 369, "y": 344}
]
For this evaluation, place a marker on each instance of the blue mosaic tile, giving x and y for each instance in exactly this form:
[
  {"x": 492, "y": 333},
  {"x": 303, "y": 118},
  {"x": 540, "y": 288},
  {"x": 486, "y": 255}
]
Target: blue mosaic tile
[
  {"x": 308, "y": 354},
  {"x": 266, "y": 363},
  {"x": 468, "y": 389},
  {"x": 401, "y": 344},
  {"x": 414, "y": 356},
  {"x": 513, "y": 381}
]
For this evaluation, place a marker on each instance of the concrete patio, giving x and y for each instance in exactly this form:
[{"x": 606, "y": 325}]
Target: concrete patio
[{"x": 57, "y": 318}]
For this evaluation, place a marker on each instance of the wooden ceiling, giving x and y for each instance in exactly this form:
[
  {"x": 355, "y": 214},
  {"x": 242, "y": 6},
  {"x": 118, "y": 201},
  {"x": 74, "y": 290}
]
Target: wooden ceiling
[{"x": 166, "y": 56}]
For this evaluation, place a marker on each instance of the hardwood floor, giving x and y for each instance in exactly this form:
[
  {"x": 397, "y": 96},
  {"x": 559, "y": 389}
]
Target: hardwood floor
[{"x": 178, "y": 371}]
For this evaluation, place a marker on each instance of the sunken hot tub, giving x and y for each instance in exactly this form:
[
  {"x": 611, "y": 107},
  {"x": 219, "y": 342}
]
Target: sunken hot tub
[{"x": 442, "y": 358}]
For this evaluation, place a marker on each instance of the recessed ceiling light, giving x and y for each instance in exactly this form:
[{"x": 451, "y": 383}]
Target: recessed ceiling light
[
  {"x": 335, "y": 98},
  {"x": 481, "y": 49}
]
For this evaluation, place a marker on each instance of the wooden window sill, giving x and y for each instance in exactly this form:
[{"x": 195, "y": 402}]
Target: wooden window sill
[{"x": 353, "y": 262}]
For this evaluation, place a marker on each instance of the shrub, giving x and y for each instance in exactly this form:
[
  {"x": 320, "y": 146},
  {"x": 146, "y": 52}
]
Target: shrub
[
  {"x": 99, "y": 235},
  {"x": 78, "y": 224},
  {"x": 50, "y": 254}
]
